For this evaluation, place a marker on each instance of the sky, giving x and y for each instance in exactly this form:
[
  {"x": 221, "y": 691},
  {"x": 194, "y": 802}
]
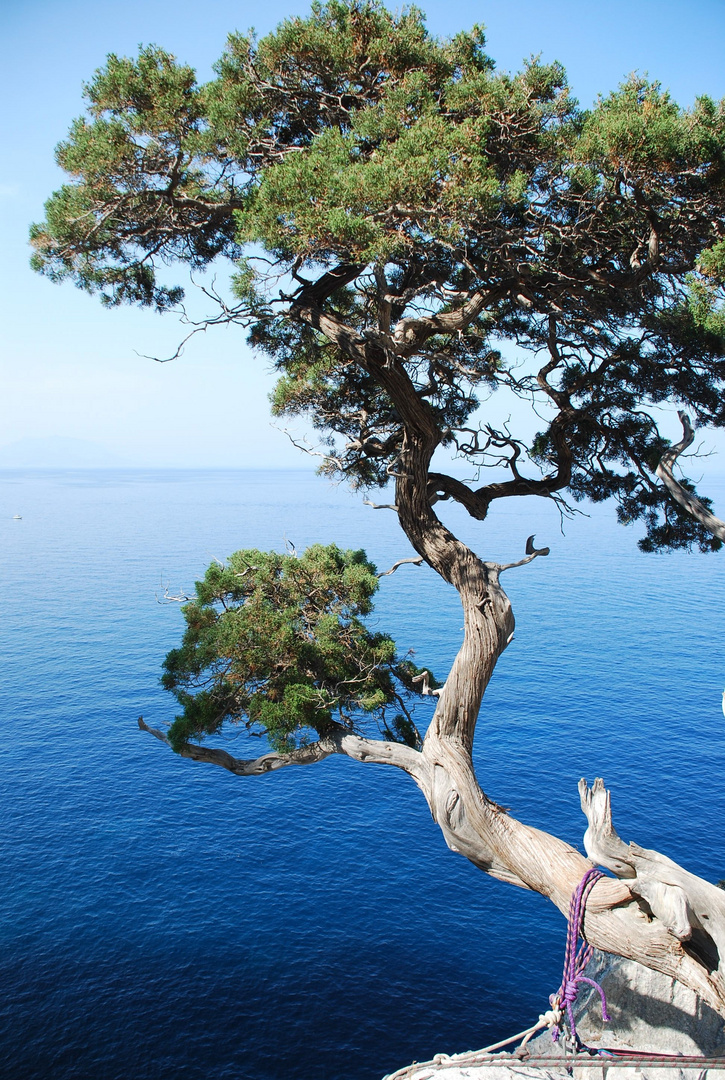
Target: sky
[{"x": 74, "y": 370}]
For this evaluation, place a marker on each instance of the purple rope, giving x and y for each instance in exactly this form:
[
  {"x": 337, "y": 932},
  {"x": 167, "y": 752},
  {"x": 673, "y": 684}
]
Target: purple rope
[{"x": 575, "y": 963}]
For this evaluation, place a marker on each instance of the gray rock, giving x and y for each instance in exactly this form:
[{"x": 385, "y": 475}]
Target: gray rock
[{"x": 649, "y": 1012}]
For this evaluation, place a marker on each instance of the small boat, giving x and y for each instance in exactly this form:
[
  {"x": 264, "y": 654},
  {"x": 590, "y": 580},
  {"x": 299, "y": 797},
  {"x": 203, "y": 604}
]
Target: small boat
[{"x": 17, "y": 517}]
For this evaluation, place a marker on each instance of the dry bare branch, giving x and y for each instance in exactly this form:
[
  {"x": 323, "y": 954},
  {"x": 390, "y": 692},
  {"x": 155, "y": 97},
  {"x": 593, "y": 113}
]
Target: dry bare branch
[
  {"x": 426, "y": 689},
  {"x": 417, "y": 560},
  {"x": 531, "y": 554},
  {"x": 379, "y": 506}
]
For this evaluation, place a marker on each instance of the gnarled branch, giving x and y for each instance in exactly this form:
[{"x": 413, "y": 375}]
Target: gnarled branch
[
  {"x": 411, "y": 333},
  {"x": 416, "y": 560},
  {"x": 531, "y": 553},
  {"x": 685, "y": 498},
  {"x": 265, "y": 763},
  {"x": 337, "y": 742},
  {"x": 691, "y": 909}
]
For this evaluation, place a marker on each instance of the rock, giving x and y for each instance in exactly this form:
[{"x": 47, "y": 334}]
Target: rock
[{"x": 649, "y": 1013}]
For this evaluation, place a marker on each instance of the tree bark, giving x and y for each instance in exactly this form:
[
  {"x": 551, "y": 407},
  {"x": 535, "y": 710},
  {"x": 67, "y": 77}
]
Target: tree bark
[
  {"x": 654, "y": 912},
  {"x": 685, "y": 498}
]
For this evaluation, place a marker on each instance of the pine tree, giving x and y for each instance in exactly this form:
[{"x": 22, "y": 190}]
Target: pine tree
[{"x": 403, "y": 219}]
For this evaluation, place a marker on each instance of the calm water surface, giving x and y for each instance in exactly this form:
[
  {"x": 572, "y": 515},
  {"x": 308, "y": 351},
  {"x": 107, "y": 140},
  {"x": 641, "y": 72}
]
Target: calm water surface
[{"x": 164, "y": 919}]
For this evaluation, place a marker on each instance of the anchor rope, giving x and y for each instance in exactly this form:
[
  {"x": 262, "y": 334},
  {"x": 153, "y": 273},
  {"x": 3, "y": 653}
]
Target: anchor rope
[
  {"x": 575, "y": 962},
  {"x": 576, "y": 958}
]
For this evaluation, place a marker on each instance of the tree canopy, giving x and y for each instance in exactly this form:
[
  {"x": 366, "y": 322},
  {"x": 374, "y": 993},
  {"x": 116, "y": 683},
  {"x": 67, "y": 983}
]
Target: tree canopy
[
  {"x": 276, "y": 641},
  {"x": 455, "y": 209},
  {"x": 416, "y": 236}
]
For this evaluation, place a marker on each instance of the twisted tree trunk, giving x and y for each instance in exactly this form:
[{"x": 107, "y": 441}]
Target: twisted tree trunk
[{"x": 653, "y": 912}]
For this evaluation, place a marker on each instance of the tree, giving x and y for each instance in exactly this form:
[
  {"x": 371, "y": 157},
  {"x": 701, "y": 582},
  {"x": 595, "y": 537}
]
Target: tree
[{"x": 412, "y": 230}]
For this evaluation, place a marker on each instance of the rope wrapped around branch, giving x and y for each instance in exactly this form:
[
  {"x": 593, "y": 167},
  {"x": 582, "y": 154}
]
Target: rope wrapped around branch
[{"x": 575, "y": 962}]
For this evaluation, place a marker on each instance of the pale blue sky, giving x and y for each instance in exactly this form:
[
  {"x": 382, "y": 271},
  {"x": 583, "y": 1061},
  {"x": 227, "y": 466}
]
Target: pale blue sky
[{"x": 70, "y": 368}]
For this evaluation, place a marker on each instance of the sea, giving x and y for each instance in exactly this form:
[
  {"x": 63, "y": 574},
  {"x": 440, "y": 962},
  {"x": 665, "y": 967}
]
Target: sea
[{"x": 163, "y": 919}]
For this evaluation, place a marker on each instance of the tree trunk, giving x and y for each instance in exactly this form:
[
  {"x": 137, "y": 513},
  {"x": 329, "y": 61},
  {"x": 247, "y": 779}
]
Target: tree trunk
[{"x": 653, "y": 912}]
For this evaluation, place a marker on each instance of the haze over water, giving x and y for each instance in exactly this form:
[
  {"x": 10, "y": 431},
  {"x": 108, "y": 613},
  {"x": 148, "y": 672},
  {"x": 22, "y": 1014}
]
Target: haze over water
[{"x": 164, "y": 919}]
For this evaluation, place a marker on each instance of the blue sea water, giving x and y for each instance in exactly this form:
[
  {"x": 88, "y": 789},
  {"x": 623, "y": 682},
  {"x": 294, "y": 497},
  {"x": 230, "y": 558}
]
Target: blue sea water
[{"x": 163, "y": 919}]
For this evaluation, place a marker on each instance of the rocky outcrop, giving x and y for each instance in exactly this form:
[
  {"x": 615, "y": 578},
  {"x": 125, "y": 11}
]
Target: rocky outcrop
[{"x": 650, "y": 1013}]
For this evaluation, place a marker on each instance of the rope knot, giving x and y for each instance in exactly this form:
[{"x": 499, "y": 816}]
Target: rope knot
[
  {"x": 575, "y": 962},
  {"x": 552, "y": 1017}
]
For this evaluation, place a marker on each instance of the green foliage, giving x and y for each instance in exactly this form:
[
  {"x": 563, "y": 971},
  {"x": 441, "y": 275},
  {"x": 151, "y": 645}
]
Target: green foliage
[
  {"x": 425, "y": 138},
  {"x": 353, "y": 139},
  {"x": 277, "y": 642},
  {"x": 643, "y": 133},
  {"x": 138, "y": 164}
]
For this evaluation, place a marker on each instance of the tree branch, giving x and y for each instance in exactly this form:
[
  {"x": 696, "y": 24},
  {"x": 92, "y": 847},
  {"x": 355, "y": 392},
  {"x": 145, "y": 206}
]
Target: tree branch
[
  {"x": 531, "y": 553},
  {"x": 380, "y": 506},
  {"x": 314, "y": 293},
  {"x": 337, "y": 742},
  {"x": 424, "y": 678},
  {"x": 411, "y": 333},
  {"x": 416, "y": 560},
  {"x": 305, "y": 755},
  {"x": 690, "y": 908},
  {"x": 694, "y": 507}
]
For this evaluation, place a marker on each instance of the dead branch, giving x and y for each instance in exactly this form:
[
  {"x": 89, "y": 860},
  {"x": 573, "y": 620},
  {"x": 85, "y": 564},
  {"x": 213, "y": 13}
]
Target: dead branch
[
  {"x": 417, "y": 560},
  {"x": 531, "y": 553},
  {"x": 380, "y": 506},
  {"x": 240, "y": 314},
  {"x": 424, "y": 678},
  {"x": 306, "y": 449},
  {"x": 167, "y": 598},
  {"x": 692, "y": 909}
]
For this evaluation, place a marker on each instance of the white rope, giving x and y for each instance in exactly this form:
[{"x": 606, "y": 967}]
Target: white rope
[{"x": 548, "y": 1019}]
